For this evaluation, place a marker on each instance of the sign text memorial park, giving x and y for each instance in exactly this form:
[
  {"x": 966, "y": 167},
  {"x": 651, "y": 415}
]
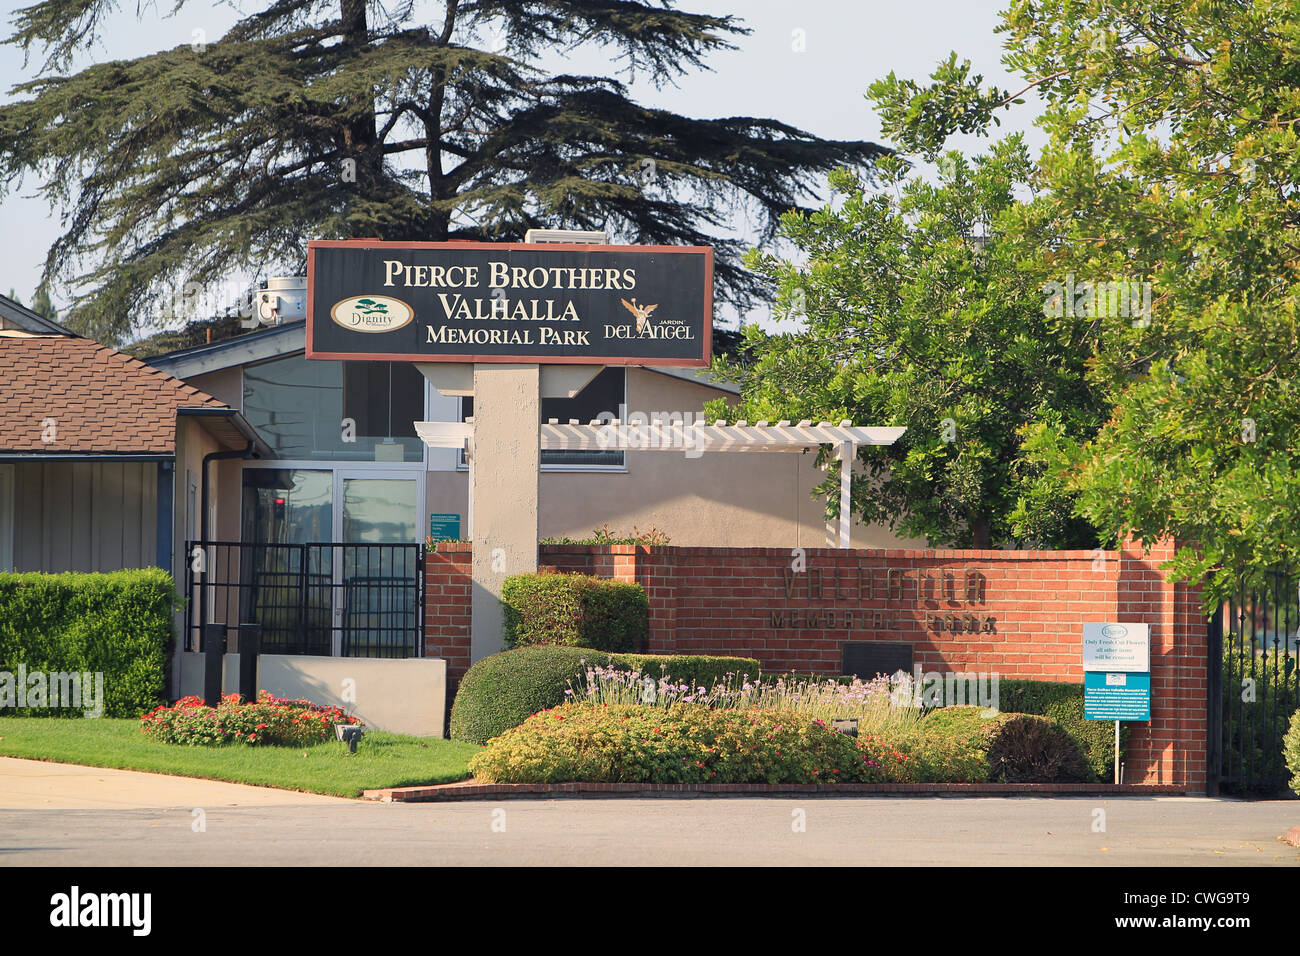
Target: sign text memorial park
[{"x": 538, "y": 303}]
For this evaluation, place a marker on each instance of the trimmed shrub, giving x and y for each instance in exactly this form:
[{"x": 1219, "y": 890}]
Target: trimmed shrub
[
  {"x": 699, "y": 670},
  {"x": 955, "y": 744},
  {"x": 266, "y": 721},
  {"x": 503, "y": 690},
  {"x": 1032, "y": 749},
  {"x": 1063, "y": 703},
  {"x": 684, "y": 743},
  {"x": 117, "y": 624},
  {"x": 576, "y": 610}
]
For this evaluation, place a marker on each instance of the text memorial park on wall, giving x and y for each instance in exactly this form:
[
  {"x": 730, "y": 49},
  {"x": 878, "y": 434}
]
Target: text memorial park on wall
[{"x": 537, "y": 303}]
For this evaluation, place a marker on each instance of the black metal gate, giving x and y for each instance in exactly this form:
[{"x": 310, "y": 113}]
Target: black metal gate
[
  {"x": 1254, "y": 686},
  {"x": 359, "y": 600}
]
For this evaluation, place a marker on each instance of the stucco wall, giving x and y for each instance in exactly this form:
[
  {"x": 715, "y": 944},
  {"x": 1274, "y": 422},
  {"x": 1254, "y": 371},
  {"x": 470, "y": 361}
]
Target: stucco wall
[
  {"x": 401, "y": 696},
  {"x": 226, "y": 384},
  {"x": 744, "y": 499}
]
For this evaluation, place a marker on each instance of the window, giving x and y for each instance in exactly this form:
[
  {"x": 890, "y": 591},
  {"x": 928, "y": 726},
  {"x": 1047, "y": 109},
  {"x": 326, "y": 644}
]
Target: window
[
  {"x": 6, "y": 517},
  {"x": 341, "y": 411},
  {"x": 604, "y": 397}
]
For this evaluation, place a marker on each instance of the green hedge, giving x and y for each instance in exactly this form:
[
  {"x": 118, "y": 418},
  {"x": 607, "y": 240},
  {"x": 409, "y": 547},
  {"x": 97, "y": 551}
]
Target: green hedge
[
  {"x": 503, "y": 690},
  {"x": 117, "y": 624},
  {"x": 576, "y": 610},
  {"x": 1063, "y": 703}
]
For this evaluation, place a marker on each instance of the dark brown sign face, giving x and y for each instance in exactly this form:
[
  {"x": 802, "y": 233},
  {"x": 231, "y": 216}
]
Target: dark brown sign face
[{"x": 509, "y": 302}]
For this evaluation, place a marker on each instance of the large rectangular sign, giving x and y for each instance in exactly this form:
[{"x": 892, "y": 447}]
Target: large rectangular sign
[
  {"x": 1116, "y": 647},
  {"x": 1118, "y": 696},
  {"x": 530, "y": 303}
]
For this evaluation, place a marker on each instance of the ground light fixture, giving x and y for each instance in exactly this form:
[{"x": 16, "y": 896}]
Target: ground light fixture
[{"x": 349, "y": 734}]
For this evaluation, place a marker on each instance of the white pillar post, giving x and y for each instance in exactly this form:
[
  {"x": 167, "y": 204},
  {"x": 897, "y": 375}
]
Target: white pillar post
[
  {"x": 503, "y": 492},
  {"x": 848, "y": 451}
]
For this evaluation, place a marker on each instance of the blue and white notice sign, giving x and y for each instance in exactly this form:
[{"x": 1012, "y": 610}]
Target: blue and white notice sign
[{"x": 1121, "y": 695}]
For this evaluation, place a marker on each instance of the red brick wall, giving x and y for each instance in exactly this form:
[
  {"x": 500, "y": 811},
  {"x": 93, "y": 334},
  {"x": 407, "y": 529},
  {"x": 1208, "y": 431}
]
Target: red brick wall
[
  {"x": 1018, "y": 614},
  {"x": 447, "y": 585}
]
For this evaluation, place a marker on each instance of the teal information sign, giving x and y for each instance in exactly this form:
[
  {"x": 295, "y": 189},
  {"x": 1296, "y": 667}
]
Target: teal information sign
[
  {"x": 444, "y": 527},
  {"x": 1116, "y": 696}
]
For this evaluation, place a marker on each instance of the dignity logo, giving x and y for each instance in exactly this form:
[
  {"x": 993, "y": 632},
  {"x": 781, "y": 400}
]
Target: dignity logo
[{"x": 75, "y": 909}]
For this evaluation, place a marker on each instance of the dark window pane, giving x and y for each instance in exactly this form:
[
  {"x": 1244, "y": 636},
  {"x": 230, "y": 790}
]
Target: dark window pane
[
  {"x": 300, "y": 407},
  {"x": 603, "y": 397}
]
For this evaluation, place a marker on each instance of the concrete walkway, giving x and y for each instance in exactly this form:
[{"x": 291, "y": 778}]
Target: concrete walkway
[{"x": 41, "y": 785}]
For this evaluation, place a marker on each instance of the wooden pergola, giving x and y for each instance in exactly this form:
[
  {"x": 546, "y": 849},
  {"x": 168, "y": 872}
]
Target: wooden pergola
[{"x": 661, "y": 435}]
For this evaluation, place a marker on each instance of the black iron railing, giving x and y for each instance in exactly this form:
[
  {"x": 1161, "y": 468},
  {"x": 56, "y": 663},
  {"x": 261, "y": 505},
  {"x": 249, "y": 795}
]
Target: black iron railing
[
  {"x": 1254, "y": 685},
  {"x": 324, "y": 598}
]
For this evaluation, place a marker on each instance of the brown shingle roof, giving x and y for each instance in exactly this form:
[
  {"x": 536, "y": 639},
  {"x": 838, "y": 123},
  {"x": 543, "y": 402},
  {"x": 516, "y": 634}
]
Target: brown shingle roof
[{"x": 100, "y": 400}]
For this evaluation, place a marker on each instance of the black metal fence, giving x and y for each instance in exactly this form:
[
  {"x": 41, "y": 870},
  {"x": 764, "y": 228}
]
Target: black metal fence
[
  {"x": 357, "y": 600},
  {"x": 1254, "y": 685}
]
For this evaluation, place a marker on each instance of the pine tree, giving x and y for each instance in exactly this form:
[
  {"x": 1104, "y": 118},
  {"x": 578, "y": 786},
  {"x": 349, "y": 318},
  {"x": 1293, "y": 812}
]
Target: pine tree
[
  {"x": 342, "y": 118},
  {"x": 42, "y": 305}
]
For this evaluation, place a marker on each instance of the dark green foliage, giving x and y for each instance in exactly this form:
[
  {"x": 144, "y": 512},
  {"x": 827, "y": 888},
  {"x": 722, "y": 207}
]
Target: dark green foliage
[
  {"x": 1063, "y": 702},
  {"x": 343, "y": 118},
  {"x": 917, "y": 306},
  {"x": 698, "y": 670},
  {"x": 118, "y": 624},
  {"x": 1030, "y": 749},
  {"x": 576, "y": 610},
  {"x": 503, "y": 690}
]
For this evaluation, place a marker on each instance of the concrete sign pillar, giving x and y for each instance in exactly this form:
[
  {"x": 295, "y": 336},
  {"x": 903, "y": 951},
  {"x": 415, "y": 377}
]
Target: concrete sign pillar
[{"x": 503, "y": 492}]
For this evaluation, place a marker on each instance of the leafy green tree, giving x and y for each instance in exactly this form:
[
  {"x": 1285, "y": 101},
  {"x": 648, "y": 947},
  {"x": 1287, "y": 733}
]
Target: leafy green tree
[
  {"x": 918, "y": 307},
  {"x": 345, "y": 118},
  {"x": 1173, "y": 157}
]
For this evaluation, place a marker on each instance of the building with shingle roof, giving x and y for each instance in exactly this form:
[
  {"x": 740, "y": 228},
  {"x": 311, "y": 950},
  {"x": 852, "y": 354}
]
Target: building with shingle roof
[{"x": 91, "y": 442}]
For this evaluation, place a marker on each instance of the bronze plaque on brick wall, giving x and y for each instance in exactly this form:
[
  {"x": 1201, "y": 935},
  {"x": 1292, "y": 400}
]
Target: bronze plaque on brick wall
[{"x": 869, "y": 658}]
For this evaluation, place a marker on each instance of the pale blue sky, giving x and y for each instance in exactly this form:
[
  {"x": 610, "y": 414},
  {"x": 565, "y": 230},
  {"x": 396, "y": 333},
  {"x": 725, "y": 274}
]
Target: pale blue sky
[{"x": 849, "y": 43}]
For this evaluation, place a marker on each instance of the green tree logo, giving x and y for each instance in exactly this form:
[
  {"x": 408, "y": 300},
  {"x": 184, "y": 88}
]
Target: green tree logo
[{"x": 370, "y": 307}]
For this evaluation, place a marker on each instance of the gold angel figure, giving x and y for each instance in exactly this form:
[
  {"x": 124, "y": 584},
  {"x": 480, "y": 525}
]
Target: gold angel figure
[{"x": 642, "y": 313}]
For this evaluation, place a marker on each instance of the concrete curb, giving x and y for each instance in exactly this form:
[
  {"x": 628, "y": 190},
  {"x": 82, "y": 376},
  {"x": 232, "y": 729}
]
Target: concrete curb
[{"x": 468, "y": 790}]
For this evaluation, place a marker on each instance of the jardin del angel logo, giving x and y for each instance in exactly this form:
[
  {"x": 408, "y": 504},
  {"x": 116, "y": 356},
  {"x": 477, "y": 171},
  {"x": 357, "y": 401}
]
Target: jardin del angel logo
[
  {"x": 372, "y": 313},
  {"x": 642, "y": 313}
]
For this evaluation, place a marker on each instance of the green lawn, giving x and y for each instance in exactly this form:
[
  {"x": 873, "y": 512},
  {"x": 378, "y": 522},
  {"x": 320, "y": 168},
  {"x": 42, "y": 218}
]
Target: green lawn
[{"x": 381, "y": 760}]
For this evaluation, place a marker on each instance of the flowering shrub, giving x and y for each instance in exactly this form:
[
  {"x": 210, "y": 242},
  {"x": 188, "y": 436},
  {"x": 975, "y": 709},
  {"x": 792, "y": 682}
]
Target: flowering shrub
[
  {"x": 681, "y": 743},
  {"x": 874, "y": 703},
  {"x": 268, "y": 720}
]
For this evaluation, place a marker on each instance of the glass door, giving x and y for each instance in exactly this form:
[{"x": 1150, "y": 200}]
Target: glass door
[
  {"x": 286, "y": 578},
  {"x": 376, "y": 604}
]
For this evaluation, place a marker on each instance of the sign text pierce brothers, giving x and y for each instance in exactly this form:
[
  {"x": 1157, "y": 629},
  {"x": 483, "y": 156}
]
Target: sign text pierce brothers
[{"x": 509, "y": 302}]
